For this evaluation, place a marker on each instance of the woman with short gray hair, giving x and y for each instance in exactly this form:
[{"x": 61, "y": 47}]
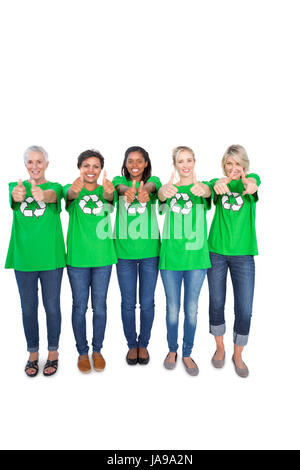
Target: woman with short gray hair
[{"x": 37, "y": 252}]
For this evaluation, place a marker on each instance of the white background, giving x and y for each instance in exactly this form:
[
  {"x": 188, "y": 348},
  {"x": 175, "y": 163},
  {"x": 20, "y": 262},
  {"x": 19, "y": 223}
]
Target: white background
[{"x": 108, "y": 75}]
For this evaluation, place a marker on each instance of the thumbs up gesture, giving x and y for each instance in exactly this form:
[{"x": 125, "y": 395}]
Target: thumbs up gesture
[
  {"x": 108, "y": 187},
  {"x": 143, "y": 195},
  {"x": 168, "y": 190},
  {"x": 19, "y": 192},
  {"x": 199, "y": 189},
  {"x": 77, "y": 185},
  {"x": 130, "y": 193},
  {"x": 107, "y": 184},
  {"x": 37, "y": 193},
  {"x": 249, "y": 183},
  {"x": 221, "y": 185}
]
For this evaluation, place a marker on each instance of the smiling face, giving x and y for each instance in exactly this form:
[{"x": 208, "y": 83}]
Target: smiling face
[
  {"x": 36, "y": 166},
  {"x": 233, "y": 168},
  {"x": 136, "y": 165},
  {"x": 90, "y": 169},
  {"x": 185, "y": 164}
]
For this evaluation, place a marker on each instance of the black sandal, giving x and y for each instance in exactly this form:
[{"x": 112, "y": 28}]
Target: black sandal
[
  {"x": 53, "y": 364},
  {"x": 32, "y": 365}
]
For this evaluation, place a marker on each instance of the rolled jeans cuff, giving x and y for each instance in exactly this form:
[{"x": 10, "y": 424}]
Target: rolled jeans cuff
[
  {"x": 240, "y": 340},
  {"x": 52, "y": 348},
  {"x": 33, "y": 350},
  {"x": 217, "y": 330}
]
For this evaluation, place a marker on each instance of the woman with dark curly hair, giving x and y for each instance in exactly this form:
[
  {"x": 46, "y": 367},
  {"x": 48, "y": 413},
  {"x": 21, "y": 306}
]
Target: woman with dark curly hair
[
  {"x": 90, "y": 253},
  {"x": 137, "y": 244}
]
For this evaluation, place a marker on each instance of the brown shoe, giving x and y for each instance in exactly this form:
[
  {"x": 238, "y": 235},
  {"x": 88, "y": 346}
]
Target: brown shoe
[
  {"x": 99, "y": 362},
  {"x": 84, "y": 364}
]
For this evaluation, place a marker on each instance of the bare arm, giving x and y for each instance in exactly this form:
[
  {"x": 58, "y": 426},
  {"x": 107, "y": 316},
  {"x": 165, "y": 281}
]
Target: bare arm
[
  {"x": 50, "y": 196},
  {"x": 150, "y": 187},
  {"x": 71, "y": 194},
  {"x": 121, "y": 189}
]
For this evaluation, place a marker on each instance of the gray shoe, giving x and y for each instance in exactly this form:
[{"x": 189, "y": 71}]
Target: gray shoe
[
  {"x": 170, "y": 365},
  {"x": 241, "y": 372},
  {"x": 218, "y": 363},
  {"x": 191, "y": 370}
]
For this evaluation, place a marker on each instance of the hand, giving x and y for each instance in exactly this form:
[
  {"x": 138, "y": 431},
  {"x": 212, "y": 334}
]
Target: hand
[
  {"x": 108, "y": 187},
  {"x": 168, "y": 190},
  {"x": 249, "y": 183},
  {"x": 130, "y": 193},
  {"x": 19, "y": 192},
  {"x": 77, "y": 185},
  {"x": 221, "y": 185},
  {"x": 143, "y": 195},
  {"x": 37, "y": 193},
  {"x": 199, "y": 189}
]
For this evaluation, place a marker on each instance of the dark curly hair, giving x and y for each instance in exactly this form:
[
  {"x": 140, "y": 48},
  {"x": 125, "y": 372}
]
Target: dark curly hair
[
  {"x": 147, "y": 171},
  {"x": 88, "y": 154}
]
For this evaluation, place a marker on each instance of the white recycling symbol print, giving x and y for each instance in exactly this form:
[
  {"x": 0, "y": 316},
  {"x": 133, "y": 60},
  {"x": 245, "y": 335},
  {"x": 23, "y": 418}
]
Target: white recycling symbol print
[
  {"x": 177, "y": 208},
  {"x": 238, "y": 201},
  {"x": 88, "y": 210},
  {"x": 132, "y": 210},
  {"x": 37, "y": 212}
]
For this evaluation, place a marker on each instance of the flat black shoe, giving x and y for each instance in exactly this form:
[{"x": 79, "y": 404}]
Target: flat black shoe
[
  {"x": 144, "y": 360},
  {"x": 32, "y": 365},
  {"x": 53, "y": 365},
  {"x": 130, "y": 361}
]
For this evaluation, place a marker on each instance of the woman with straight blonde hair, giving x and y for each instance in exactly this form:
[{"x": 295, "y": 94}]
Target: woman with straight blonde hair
[
  {"x": 232, "y": 245},
  {"x": 184, "y": 256}
]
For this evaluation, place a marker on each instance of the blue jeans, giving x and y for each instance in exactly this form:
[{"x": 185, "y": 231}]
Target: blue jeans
[
  {"x": 172, "y": 281},
  {"x": 28, "y": 289},
  {"x": 128, "y": 270},
  {"x": 81, "y": 280},
  {"x": 242, "y": 271}
]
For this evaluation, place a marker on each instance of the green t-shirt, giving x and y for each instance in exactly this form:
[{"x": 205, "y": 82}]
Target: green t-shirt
[
  {"x": 184, "y": 240},
  {"x": 136, "y": 228},
  {"x": 36, "y": 242},
  {"x": 90, "y": 238},
  {"x": 232, "y": 230}
]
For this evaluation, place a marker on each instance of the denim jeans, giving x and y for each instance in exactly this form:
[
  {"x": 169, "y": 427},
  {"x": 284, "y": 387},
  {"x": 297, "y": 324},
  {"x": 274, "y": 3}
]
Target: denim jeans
[
  {"x": 81, "y": 280},
  {"x": 242, "y": 271},
  {"x": 128, "y": 270},
  {"x": 28, "y": 289},
  {"x": 172, "y": 281}
]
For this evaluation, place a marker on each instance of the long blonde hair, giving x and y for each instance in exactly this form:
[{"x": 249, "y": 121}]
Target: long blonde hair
[{"x": 179, "y": 149}]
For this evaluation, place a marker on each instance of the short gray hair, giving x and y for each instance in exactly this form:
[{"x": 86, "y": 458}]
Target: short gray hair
[{"x": 35, "y": 148}]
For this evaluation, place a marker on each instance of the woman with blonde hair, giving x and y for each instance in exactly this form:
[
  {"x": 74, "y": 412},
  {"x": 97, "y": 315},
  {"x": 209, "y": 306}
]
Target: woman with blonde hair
[
  {"x": 184, "y": 253},
  {"x": 232, "y": 245}
]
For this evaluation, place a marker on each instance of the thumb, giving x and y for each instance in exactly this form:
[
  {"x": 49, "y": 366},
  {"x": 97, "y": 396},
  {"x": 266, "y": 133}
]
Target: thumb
[
  {"x": 20, "y": 182},
  {"x": 243, "y": 177},
  {"x": 194, "y": 178},
  {"x": 172, "y": 177},
  {"x": 81, "y": 175},
  {"x": 33, "y": 183},
  {"x": 141, "y": 185},
  {"x": 134, "y": 185},
  {"x": 104, "y": 176},
  {"x": 229, "y": 178}
]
